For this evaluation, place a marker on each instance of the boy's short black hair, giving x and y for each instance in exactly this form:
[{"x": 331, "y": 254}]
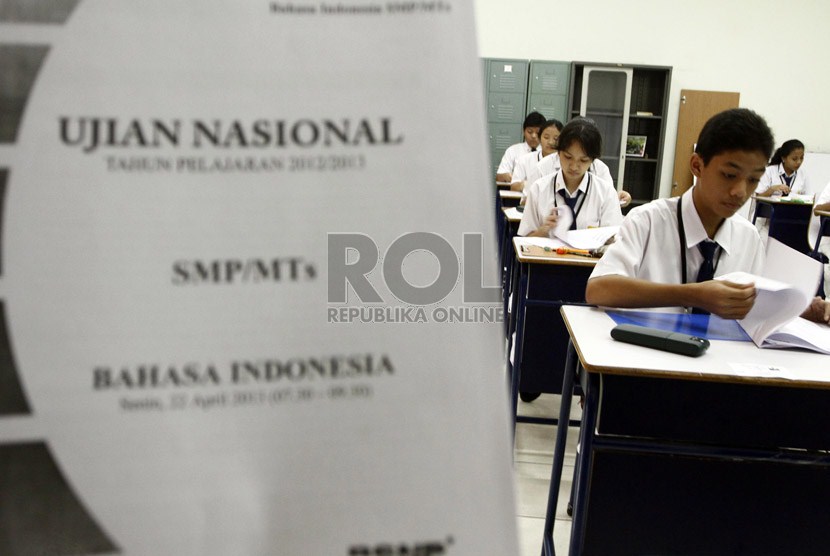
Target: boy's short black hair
[
  {"x": 738, "y": 129},
  {"x": 534, "y": 119},
  {"x": 586, "y": 133}
]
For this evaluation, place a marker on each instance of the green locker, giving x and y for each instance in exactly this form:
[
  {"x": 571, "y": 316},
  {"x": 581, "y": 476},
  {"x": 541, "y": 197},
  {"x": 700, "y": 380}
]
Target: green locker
[
  {"x": 551, "y": 106},
  {"x": 549, "y": 78},
  {"x": 506, "y": 102},
  {"x": 507, "y": 76}
]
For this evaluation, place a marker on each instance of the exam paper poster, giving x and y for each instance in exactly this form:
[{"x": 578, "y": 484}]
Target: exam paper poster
[{"x": 173, "y": 379}]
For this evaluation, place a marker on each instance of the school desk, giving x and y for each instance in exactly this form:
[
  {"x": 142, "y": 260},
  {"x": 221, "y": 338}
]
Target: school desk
[
  {"x": 824, "y": 225},
  {"x": 727, "y": 453},
  {"x": 509, "y": 198},
  {"x": 504, "y": 199},
  {"x": 541, "y": 283},
  {"x": 823, "y": 229},
  {"x": 511, "y": 218},
  {"x": 789, "y": 220}
]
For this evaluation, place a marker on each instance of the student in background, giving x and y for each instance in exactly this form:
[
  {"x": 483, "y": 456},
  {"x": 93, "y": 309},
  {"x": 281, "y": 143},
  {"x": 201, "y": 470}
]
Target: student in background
[
  {"x": 551, "y": 164},
  {"x": 530, "y": 128},
  {"x": 592, "y": 200},
  {"x": 782, "y": 175},
  {"x": 668, "y": 251},
  {"x": 526, "y": 169}
]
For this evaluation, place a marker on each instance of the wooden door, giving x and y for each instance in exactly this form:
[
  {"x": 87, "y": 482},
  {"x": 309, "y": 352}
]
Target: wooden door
[{"x": 696, "y": 107}]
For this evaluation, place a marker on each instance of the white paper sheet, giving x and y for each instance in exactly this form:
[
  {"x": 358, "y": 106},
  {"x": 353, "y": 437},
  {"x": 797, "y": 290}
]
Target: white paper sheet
[
  {"x": 166, "y": 254},
  {"x": 589, "y": 238}
]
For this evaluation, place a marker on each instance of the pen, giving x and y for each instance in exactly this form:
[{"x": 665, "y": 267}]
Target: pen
[{"x": 569, "y": 251}]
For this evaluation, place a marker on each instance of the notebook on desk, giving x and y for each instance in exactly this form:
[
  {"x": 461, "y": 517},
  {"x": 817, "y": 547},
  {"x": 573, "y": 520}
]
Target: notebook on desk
[{"x": 711, "y": 327}]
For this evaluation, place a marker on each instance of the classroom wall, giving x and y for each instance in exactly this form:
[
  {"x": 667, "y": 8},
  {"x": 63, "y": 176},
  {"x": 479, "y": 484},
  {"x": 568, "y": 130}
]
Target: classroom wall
[{"x": 775, "y": 53}]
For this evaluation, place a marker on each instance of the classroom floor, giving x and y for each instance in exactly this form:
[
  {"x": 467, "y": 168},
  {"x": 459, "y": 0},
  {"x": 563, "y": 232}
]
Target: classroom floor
[{"x": 533, "y": 456}]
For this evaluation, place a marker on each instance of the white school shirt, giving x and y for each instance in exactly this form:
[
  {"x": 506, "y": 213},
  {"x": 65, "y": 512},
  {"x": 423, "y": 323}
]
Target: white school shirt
[
  {"x": 812, "y": 234},
  {"x": 511, "y": 155},
  {"x": 551, "y": 165},
  {"x": 600, "y": 206},
  {"x": 648, "y": 244},
  {"x": 526, "y": 168},
  {"x": 774, "y": 175}
]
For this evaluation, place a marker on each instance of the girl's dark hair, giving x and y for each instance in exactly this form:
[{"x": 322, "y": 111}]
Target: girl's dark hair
[
  {"x": 550, "y": 123},
  {"x": 586, "y": 133},
  {"x": 784, "y": 150}
]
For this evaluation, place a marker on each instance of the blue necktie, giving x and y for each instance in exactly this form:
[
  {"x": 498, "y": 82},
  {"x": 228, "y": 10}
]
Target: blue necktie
[
  {"x": 707, "y": 267},
  {"x": 571, "y": 202}
]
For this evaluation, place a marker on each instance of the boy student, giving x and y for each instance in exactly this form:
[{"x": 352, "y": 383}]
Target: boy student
[
  {"x": 530, "y": 128},
  {"x": 668, "y": 251},
  {"x": 593, "y": 201}
]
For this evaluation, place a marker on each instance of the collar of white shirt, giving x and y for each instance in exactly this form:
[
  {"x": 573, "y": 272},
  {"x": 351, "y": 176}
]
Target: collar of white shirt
[
  {"x": 782, "y": 172},
  {"x": 695, "y": 232},
  {"x": 559, "y": 184}
]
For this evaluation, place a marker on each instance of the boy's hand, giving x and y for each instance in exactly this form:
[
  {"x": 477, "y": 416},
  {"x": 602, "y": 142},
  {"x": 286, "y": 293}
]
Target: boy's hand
[
  {"x": 727, "y": 300},
  {"x": 818, "y": 311}
]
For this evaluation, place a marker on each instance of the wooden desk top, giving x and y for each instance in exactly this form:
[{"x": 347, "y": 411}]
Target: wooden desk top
[
  {"x": 724, "y": 361},
  {"x": 503, "y": 184},
  {"x": 825, "y": 213},
  {"x": 528, "y": 252},
  {"x": 783, "y": 201},
  {"x": 507, "y": 194},
  {"x": 512, "y": 214}
]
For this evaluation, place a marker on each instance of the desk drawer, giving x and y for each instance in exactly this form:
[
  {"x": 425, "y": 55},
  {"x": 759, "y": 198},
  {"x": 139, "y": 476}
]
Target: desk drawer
[
  {"x": 717, "y": 413},
  {"x": 641, "y": 503}
]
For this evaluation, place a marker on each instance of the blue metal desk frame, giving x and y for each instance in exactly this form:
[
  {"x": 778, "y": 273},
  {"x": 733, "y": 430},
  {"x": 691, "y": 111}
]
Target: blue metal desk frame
[
  {"x": 591, "y": 442},
  {"x": 523, "y": 271}
]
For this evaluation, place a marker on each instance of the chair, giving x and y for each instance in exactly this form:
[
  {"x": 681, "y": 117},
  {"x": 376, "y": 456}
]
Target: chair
[{"x": 762, "y": 210}]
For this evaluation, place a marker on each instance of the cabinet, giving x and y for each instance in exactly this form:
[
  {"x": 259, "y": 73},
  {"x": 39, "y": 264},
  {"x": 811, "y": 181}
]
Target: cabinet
[
  {"x": 505, "y": 101},
  {"x": 626, "y": 101},
  {"x": 513, "y": 89}
]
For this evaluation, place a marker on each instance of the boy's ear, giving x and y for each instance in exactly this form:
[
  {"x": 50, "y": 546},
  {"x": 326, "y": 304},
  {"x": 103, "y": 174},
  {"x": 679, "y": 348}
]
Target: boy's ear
[{"x": 696, "y": 165}]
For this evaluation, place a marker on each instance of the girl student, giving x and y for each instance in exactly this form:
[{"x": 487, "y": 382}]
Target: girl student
[
  {"x": 550, "y": 164},
  {"x": 782, "y": 174},
  {"x": 592, "y": 200},
  {"x": 526, "y": 170},
  {"x": 781, "y": 177}
]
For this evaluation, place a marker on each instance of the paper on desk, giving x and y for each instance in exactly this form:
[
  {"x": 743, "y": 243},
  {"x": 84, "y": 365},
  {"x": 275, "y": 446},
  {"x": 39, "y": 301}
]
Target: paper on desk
[
  {"x": 513, "y": 213},
  {"x": 553, "y": 243},
  {"x": 757, "y": 370},
  {"x": 798, "y": 198},
  {"x": 801, "y": 332},
  {"x": 776, "y": 303},
  {"x": 786, "y": 288},
  {"x": 589, "y": 238}
]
